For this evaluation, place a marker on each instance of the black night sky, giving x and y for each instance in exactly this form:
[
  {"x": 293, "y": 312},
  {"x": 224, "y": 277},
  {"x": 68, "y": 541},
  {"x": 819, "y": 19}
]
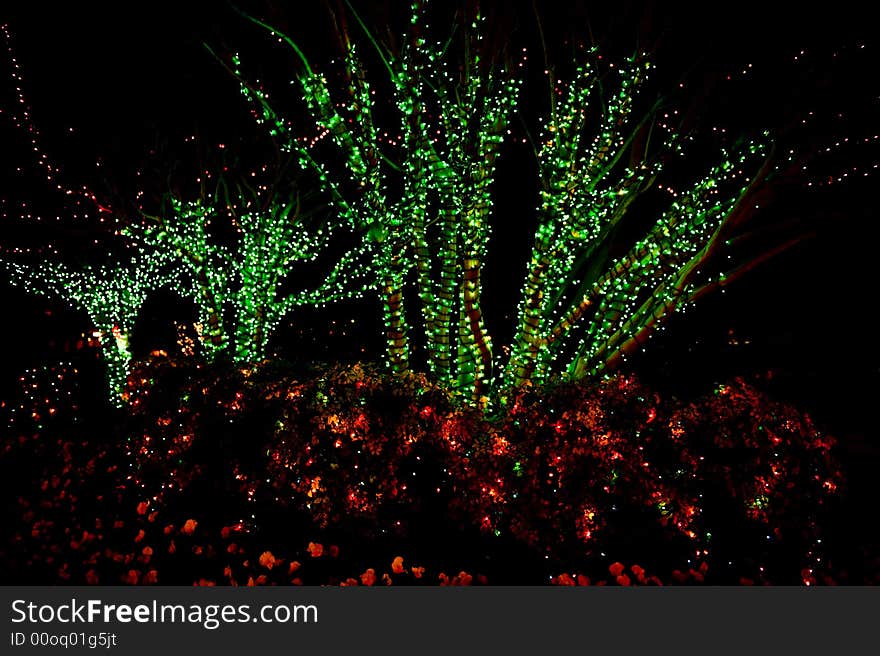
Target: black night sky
[{"x": 126, "y": 83}]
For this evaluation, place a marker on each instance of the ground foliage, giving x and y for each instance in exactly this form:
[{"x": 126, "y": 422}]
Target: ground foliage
[{"x": 225, "y": 474}]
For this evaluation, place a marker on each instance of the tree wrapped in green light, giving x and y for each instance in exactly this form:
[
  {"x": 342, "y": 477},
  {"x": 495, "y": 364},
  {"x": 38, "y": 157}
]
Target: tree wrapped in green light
[
  {"x": 185, "y": 234},
  {"x": 475, "y": 107},
  {"x": 111, "y": 295},
  {"x": 452, "y": 121},
  {"x": 573, "y": 290},
  {"x": 237, "y": 283},
  {"x": 581, "y": 307},
  {"x": 380, "y": 218}
]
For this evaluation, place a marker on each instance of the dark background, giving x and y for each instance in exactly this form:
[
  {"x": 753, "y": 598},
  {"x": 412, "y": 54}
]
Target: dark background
[{"x": 133, "y": 79}]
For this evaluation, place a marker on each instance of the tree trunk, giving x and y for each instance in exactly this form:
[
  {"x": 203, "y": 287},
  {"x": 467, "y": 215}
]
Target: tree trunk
[
  {"x": 443, "y": 334},
  {"x": 117, "y": 357},
  {"x": 527, "y": 341},
  {"x": 397, "y": 344},
  {"x": 477, "y": 364}
]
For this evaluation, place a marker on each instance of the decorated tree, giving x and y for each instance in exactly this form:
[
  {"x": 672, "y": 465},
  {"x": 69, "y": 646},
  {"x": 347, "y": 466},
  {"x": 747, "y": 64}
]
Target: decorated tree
[
  {"x": 226, "y": 241},
  {"x": 582, "y": 307},
  {"x": 380, "y": 218},
  {"x": 234, "y": 253},
  {"x": 111, "y": 295}
]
